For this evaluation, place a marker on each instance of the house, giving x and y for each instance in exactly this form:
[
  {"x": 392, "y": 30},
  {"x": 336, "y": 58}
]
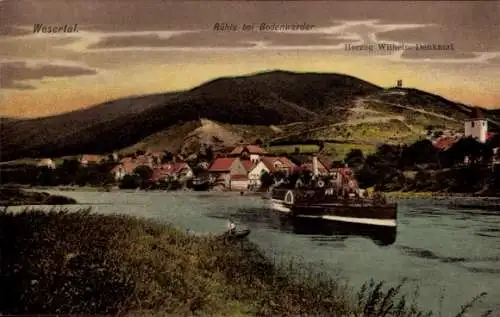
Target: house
[
  {"x": 156, "y": 156},
  {"x": 239, "y": 182},
  {"x": 46, "y": 162},
  {"x": 86, "y": 159},
  {"x": 112, "y": 157},
  {"x": 145, "y": 160},
  {"x": 177, "y": 170},
  {"x": 269, "y": 165},
  {"x": 248, "y": 164},
  {"x": 159, "y": 175},
  {"x": 309, "y": 166},
  {"x": 248, "y": 152},
  {"x": 228, "y": 172},
  {"x": 119, "y": 172}
]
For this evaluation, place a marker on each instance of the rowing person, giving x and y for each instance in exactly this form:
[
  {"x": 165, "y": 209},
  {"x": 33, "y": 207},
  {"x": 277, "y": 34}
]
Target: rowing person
[{"x": 231, "y": 227}]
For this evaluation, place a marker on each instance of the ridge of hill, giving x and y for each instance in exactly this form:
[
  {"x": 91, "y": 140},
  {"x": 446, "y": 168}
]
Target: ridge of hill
[{"x": 269, "y": 105}]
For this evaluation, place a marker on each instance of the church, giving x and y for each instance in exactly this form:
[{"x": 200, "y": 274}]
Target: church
[{"x": 476, "y": 127}]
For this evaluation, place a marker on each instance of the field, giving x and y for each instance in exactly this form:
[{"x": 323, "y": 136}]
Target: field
[{"x": 337, "y": 151}]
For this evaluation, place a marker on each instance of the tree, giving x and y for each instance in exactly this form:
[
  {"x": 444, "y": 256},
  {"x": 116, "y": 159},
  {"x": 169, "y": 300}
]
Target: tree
[
  {"x": 466, "y": 147},
  {"x": 420, "y": 152},
  {"x": 45, "y": 176},
  {"x": 266, "y": 180},
  {"x": 209, "y": 154},
  {"x": 168, "y": 157},
  {"x": 355, "y": 158},
  {"x": 130, "y": 182},
  {"x": 321, "y": 146},
  {"x": 67, "y": 171},
  {"x": 144, "y": 172}
]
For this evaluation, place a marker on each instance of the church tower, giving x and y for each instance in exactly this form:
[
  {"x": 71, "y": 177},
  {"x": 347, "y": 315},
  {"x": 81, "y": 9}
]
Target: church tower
[{"x": 476, "y": 126}]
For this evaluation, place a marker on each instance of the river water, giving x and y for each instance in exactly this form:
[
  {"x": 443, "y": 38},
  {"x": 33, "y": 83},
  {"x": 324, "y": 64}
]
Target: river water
[{"x": 438, "y": 249}]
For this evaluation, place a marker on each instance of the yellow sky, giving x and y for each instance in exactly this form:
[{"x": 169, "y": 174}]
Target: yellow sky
[{"x": 57, "y": 95}]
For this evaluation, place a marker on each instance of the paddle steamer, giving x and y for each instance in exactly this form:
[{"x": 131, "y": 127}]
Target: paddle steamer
[{"x": 334, "y": 204}]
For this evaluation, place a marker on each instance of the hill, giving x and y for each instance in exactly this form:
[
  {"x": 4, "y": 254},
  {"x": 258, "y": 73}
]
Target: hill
[{"x": 271, "y": 105}]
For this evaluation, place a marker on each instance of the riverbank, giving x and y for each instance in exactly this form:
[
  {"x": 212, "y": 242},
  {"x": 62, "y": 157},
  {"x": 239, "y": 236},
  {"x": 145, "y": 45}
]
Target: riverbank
[
  {"x": 80, "y": 262},
  {"x": 14, "y": 196},
  {"x": 394, "y": 194}
]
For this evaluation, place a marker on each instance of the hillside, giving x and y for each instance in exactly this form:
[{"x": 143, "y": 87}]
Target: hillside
[{"x": 270, "y": 105}]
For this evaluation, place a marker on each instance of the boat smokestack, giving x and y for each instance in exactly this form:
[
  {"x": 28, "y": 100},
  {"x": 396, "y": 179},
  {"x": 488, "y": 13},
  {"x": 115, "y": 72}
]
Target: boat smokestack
[{"x": 315, "y": 166}]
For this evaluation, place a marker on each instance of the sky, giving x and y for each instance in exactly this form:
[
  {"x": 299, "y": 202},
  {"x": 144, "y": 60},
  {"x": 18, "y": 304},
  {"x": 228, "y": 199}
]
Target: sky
[{"x": 135, "y": 47}]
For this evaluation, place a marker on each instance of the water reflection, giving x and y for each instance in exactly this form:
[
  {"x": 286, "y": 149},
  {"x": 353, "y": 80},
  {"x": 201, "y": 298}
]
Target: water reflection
[{"x": 322, "y": 232}]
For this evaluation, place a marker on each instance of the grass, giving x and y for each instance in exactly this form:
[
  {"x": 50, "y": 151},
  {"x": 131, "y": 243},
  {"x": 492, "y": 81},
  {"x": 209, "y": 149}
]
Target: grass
[
  {"x": 290, "y": 149},
  {"x": 83, "y": 263},
  {"x": 340, "y": 150},
  {"x": 337, "y": 151}
]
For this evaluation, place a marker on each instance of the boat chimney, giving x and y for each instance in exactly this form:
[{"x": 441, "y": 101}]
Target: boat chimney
[{"x": 315, "y": 166}]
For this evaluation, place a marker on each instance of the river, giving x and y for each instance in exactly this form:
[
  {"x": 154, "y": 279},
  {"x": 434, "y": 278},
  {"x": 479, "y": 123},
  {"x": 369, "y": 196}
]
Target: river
[{"x": 439, "y": 250}]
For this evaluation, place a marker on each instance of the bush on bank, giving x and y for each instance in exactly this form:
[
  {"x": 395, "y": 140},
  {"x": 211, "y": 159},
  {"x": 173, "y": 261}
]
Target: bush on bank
[{"x": 79, "y": 262}]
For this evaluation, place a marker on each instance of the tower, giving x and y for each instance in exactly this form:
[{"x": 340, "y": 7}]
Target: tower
[
  {"x": 476, "y": 126},
  {"x": 400, "y": 83}
]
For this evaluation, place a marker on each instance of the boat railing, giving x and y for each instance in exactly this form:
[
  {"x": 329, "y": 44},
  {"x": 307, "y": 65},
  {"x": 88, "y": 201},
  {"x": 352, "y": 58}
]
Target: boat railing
[{"x": 322, "y": 195}]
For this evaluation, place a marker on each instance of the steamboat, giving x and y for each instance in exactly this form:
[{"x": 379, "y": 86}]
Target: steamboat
[{"x": 334, "y": 205}]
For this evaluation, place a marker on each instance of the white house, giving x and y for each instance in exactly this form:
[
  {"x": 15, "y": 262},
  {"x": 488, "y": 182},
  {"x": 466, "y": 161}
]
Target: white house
[
  {"x": 239, "y": 182},
  {"x": 255, "y": 174},
  {"x": 269, "y": 165},
  {"x": 119, "y": 172},
  {"x": 47, "y": 162}
]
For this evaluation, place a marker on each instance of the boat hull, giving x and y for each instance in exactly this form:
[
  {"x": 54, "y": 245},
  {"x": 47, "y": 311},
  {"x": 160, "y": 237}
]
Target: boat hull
[
  {"x": 382, "y": 235},
  {"x": 384, "y": 215}
]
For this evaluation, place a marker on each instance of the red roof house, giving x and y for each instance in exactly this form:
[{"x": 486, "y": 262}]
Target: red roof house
[
  {"x": 90, "y": 158},
  {"x": 274, "y": 164},
  {"x": 445, "y": 142},
  {"x": 248, "y": 164},
  {"x": 222, "y": 164}
]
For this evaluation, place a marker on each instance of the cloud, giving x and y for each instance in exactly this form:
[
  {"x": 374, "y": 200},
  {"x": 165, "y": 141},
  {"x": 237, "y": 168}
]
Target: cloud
[
  {"x": 10, "y": 30},
  {"x": 214, "y": 39},
  {"x": 14, "y": 72},
  {"x": 160, "y": 26}
]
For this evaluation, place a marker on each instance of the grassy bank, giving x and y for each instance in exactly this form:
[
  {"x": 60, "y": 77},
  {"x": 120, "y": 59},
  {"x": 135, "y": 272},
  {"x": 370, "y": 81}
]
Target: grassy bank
[
  {"x": 410, "y": 195},
  {"x": 70, "y": 263},
  {"x": 14, "y": 196}
]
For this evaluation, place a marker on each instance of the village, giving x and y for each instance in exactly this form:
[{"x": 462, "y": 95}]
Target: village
[
  {"x": 239, "y": 168},
  {"x": 243, "y": 166}
]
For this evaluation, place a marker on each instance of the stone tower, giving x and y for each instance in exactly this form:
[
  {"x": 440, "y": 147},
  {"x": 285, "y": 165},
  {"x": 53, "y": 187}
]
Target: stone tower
[{"x": 476, "y": 126}]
